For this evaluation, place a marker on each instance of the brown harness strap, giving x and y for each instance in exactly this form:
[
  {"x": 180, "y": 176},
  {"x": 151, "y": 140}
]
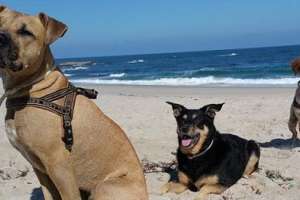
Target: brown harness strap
[{"x": 65, "y": 111}]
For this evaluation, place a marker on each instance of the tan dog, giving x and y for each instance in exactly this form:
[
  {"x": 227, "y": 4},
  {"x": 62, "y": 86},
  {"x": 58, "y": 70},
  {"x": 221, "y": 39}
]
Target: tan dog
[{"x": 102, "y": 164}]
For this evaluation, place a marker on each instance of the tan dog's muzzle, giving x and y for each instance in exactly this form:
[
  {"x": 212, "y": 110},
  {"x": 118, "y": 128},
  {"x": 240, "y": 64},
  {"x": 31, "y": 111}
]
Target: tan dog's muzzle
[{"x": 8, "y": 53}]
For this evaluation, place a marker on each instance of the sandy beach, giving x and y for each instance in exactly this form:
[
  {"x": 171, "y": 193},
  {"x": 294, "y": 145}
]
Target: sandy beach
[{"x": 253, "y": 113}]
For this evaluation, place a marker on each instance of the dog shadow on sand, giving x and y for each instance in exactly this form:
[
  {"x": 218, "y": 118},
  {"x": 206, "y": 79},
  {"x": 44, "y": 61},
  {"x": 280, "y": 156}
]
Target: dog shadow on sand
[
  {"x": 37, "y": 194},
  {"x": 281, "y": 143}
]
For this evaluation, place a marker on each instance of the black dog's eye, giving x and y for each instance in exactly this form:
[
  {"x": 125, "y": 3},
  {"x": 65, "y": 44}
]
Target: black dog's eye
[
  {"x": 201, "y": 126},
  {"x": 24, "y": 32}
]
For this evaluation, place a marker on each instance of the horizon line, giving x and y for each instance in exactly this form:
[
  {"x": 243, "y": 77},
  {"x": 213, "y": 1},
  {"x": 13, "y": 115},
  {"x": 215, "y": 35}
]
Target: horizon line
[{"x": 177, "y": 52}]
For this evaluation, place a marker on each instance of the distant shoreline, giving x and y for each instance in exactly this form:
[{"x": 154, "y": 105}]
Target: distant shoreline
[
  {"x": 189, "y": 86},
  {"x": 175, "y": 52}
]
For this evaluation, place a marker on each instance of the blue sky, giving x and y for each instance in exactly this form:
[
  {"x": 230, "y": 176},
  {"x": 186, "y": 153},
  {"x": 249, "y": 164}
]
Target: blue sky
[{"x": 110, "y": 27}]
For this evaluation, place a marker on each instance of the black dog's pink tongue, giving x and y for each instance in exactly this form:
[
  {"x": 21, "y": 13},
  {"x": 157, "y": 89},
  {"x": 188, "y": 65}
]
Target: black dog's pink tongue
[{"x": 186, "y": 142}]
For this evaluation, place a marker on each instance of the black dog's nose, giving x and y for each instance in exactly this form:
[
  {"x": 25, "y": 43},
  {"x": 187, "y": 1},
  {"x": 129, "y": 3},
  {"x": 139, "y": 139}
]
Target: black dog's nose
[
  {"x": 4, "y": 39},
  {"x": 185, "y": 129}
]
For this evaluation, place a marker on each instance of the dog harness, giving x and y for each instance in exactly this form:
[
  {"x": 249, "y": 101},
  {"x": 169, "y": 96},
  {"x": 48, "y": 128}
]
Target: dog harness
[{"x": 47, "y": 103}]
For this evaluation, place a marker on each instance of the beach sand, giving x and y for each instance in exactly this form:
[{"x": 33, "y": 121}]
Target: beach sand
[{"x": 253, "y": 113}]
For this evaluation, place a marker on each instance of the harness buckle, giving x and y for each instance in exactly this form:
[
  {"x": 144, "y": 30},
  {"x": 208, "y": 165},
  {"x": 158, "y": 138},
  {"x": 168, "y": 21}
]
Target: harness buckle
[
  {"x": 67, "y": 121},
  {"x": 68, "y": 135}
]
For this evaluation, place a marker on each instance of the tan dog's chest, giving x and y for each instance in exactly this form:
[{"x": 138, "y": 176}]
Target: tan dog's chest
[
  {"x": 13, "y": 138},
  {"x": 12, "y": 133}
]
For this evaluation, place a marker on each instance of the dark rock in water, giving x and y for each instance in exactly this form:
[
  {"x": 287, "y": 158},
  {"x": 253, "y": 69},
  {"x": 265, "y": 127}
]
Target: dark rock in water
[{"x": 76, "y": 64}]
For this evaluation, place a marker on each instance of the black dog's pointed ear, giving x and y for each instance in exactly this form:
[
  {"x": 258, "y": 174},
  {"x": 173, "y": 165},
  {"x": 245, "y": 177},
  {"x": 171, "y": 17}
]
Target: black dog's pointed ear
[
  {"x": 211, "y": 109},
  {"x": 54, "y": 29},
  {"x": 177, "y": 108}
]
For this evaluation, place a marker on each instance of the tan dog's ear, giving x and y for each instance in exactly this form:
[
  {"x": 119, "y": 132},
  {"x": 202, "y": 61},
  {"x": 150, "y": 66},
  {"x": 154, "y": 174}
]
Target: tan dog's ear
[
  {"x": 54, "y": 28},
  {"x": 2, "y": 8}
]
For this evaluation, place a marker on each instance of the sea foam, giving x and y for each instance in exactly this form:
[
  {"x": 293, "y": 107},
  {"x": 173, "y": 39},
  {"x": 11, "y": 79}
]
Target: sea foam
[
  {"x": 209, "y": 80},
  {"x": 117, "y": 75},
  {"x": 229, "y": 55},
  {"x": 136, "y": 61},
  {"x": 74, "y": 68}
]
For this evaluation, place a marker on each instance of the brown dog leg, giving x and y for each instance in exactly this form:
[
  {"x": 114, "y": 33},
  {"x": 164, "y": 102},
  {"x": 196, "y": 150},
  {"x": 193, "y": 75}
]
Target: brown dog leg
[
  {"x": 176, "y": 187},
  {"x": 251, "y": 165},
  {"x": 293, "y": 123},
  {"x": 49, "y": 190},
  {"x": 210, "y": 189},
  {"x": 60, "y": 170},
  {"x": 119, "y": 188}
]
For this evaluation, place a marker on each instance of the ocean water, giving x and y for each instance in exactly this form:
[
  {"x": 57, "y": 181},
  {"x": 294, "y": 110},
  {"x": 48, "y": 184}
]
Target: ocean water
[{"x": 247, "y": 67}]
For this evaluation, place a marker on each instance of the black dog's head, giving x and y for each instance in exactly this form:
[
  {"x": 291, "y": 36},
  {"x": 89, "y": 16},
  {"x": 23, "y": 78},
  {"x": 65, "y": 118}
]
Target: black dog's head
[{"x": 195, "y": 127}]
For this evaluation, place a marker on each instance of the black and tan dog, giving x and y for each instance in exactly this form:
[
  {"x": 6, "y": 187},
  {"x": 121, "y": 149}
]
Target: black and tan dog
[{"x": 209, "y": 162}]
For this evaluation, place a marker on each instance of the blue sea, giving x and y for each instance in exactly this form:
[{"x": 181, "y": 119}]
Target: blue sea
[{"x": 248, "y": 67}]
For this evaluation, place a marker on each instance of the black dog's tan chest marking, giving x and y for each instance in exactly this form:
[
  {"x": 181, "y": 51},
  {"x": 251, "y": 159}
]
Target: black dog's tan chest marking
[{"x": 203, "y": 136}]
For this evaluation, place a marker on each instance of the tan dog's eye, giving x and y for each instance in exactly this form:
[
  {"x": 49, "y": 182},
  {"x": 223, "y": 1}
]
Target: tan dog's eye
[{"x": 24, "y": 32}]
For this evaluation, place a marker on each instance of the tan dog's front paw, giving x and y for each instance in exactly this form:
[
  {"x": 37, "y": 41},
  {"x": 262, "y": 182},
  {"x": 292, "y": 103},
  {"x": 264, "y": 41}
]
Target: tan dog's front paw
[{"x": 173, "y": 187}]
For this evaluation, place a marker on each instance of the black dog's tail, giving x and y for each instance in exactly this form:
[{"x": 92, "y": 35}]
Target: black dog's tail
[{"x": 253, "y": 148}]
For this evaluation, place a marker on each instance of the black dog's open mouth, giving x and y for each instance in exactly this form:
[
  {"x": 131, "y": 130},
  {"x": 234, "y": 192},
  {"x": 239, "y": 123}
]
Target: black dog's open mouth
[{"x": 189, "y": 141}]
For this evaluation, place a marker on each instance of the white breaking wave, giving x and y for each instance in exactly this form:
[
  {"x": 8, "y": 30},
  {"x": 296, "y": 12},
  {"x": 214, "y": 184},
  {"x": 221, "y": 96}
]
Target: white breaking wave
[
  {"x": 136, "y": 61},
  {"x": 117, "y": 75},
  {"x": 207, "y": 69},
  {"x": 204, "y": 69},
  {"x": 231, "y": 54},
  {"x": 193, "y": 81},
  {"x": 74, "y": 68}
]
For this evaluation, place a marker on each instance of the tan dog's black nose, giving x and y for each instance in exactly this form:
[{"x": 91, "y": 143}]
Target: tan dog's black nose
[{"x": 4, "y": 39}]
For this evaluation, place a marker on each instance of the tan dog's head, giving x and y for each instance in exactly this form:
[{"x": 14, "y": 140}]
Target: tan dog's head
[
  {"x": 296, "y": 66},
  {"x": 24, "y": 39}
]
